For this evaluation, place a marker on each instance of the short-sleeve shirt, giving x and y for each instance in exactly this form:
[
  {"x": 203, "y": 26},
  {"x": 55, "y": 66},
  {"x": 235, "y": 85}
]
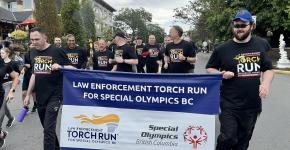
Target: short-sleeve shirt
[
  {"x": 48, "y": 83},
  {"x": 77, "y": 56},
  {"x": 126, "y": 52},
  {"x": 173, "y": 50},
  {"x": 101, "y": 60},
  {"x": 14, "y": 66},
  {"x": 4, "y": 69},
  {"x": 247, "y": 61}
]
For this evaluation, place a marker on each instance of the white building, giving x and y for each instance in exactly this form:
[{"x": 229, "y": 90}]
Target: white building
[{"x": 104, "y": 16}]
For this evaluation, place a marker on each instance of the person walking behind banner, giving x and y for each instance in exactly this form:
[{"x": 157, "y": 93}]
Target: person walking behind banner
[
  {"x": 102, "y": 56},
  {"x": 27, "y": 72},
  {"x": 6, "y": 69},
  {"x": 140, "y": 51},
  {"x": 124, "y": 54},
  {"x": 165, "y": 66},
  {"x": 57, "y": 42},
  {"x": 154, "y": 57},
  {"x": 76, "y": 54},
  {"x": 7, "y": 84},
  {"x": 242, "y": 61},
  {"x": 46, "y": 80},
  {"x": 180, "y": 54}
]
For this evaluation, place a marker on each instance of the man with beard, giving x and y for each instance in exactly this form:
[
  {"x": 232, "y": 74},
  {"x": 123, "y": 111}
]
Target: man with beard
[
  {"x": 242, "y": 61},
  {"x": 102, "y": 56},
  {"x": 154, "y": 57},
  {"x": 57, "y": 42},
  {"x": 76, "y": 54}
]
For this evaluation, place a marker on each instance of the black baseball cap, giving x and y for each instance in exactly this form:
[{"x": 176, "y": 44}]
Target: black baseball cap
[{"x": 121, "y": 34}]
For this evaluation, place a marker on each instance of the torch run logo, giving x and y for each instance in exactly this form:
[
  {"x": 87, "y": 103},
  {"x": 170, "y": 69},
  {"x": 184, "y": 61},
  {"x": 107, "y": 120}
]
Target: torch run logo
[{"x": 196, "y": 136}]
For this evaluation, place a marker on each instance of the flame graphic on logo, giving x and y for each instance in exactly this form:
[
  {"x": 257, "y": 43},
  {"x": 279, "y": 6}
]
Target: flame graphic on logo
[
  {"x": 96, "y": 120},
  {"x": 111, "y": 120}
]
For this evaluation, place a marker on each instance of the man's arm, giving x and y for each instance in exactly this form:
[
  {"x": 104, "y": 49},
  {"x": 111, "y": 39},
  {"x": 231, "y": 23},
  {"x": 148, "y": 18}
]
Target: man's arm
[
  {"x": 29, "y": 90},
  {"x": 267, "y": 78},
  {"x": 226, "y": 74}
]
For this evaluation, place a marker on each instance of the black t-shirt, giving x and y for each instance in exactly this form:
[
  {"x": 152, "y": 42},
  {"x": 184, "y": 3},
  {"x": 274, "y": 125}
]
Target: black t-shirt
[
  {"x": 156, "y": 55},
  {"x": 112, "y": 47},
  {"x": 4, "y": 69},
  {"x": 247, "y": 61},
  {"x": 48, "y": 83},
  {"x": 101, "y": 60},
  {"x": 27, "y": 60},
  {"x": 126, "y": 52},
  {"x": 173, "y": 50},
  {"x": 13, "y": 65},
  {"x": 139, "y": 51},
  {"x": 77, "y": 56}
]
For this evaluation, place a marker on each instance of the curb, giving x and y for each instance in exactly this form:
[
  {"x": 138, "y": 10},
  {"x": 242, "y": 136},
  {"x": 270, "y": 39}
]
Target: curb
[{"x": 282, "y": 72}]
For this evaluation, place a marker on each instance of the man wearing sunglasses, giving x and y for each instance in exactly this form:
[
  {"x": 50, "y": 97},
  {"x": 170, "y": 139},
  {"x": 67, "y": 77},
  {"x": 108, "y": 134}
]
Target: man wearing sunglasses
[{"x": 242, "y": 61}]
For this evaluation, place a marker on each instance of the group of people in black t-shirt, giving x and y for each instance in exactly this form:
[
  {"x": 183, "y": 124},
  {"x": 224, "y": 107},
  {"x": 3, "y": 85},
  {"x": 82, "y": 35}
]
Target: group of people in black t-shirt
[
  {"x": 241, "y": 90},
  {"x": 175, "y": 55}
]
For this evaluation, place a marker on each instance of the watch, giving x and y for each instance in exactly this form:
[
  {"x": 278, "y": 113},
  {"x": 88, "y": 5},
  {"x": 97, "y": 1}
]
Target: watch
[
  {"x": 185, "y": 59},
  {"x": 12, "y": 90}
]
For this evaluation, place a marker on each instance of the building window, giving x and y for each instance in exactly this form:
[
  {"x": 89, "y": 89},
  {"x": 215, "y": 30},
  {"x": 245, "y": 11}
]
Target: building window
[{"x": 27, "y": 4}]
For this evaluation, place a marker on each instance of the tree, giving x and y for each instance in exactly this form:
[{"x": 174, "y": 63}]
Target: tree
[
  {"x": 217, "y": 15},
  {"x": 133, "y": 19},
  {"x": 88, "y": 19},
  {"x": 71, "y": 20},
  {"x": 48, "y": 19}
]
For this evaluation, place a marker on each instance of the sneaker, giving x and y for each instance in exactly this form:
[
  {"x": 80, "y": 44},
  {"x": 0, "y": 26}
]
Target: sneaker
[
  {"x": 10, "y": 122},
  {"x": 2, "y": 140}
]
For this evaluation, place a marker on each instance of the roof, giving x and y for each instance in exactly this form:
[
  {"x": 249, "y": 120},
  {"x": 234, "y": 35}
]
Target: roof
[
  {"x": 7, "y": 16},
  {"x": 10, "y": 0},
  {"x": 22, "y": 15},
  {"x": 106, "y": 5},
  {"x": 13, "y": 17}
]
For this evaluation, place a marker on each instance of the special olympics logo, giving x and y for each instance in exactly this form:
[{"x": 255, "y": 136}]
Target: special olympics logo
[{"x": 195, "y": 135}]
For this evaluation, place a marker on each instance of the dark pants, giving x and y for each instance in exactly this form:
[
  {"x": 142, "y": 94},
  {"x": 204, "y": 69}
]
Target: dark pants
[
  {"x": 236, "y": 129},
  {"x": 140, "y": 69},
  {"x": 48, "y": 118},
  {"x": 152, "y": 68}
]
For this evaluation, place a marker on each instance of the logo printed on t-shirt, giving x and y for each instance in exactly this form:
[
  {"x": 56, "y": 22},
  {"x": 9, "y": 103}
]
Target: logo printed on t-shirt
[
  {"x": 154, "y": 51},
  {"x": 73, "y": 57},
  {"x": 42, "y": 64},
  {"x": 119, "y": 53},
  {"x": 139, "y": 51},
  {"x": 174, "y": 54},
  {"x": 248, "y": 64},
  {"x": 102, "y": 61}
]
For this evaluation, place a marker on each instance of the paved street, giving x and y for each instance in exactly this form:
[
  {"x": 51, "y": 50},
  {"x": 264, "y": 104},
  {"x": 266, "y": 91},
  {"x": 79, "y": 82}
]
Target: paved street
[{"x": 271, "y": 133}]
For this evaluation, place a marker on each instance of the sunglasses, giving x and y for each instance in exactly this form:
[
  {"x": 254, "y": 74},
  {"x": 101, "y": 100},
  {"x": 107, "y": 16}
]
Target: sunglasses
[{"x": 240, "y": 25}]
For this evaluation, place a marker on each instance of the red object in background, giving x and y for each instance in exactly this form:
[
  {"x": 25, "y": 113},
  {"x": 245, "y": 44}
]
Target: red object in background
[{"x": 28, "y": 22}]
